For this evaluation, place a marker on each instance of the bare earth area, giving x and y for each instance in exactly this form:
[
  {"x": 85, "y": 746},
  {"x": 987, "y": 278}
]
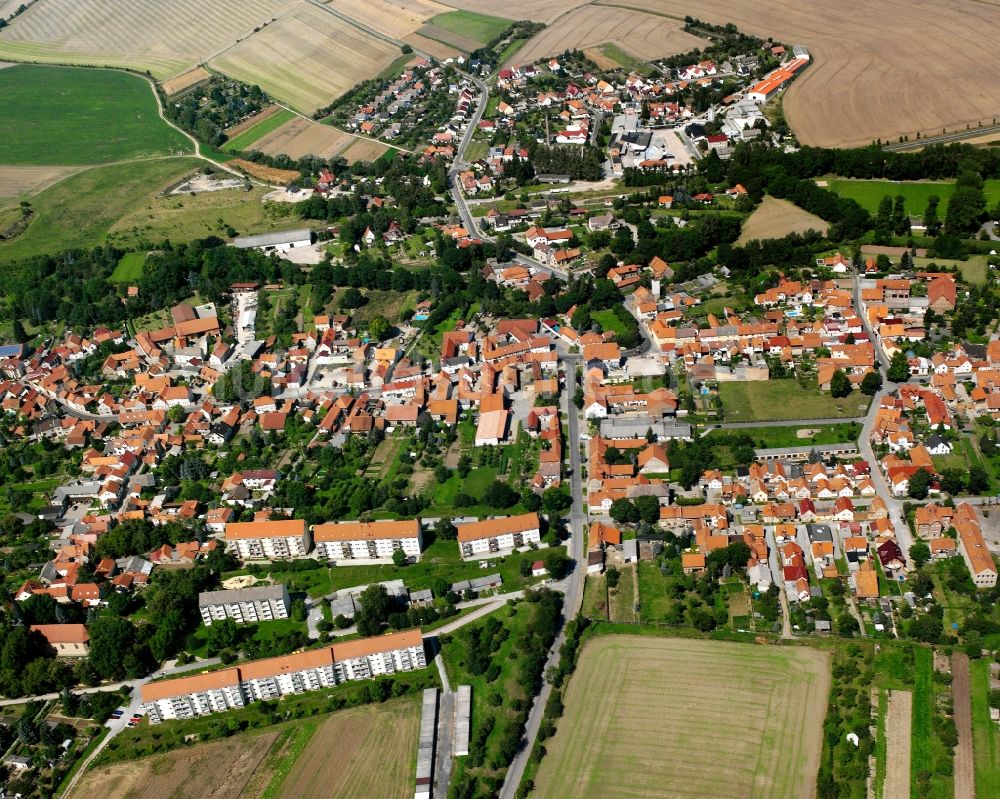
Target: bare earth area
[
  {"x": 17, "y": 181},
  {"x": 775, "y": 218},
  {"x": 897, "y": 731},
  {"x": 217, "y": 770},
  {"x": 965, "y": 782},
  {"x": 363, "y": 150},
  {"x": 868, "y": 81},
  {"x": 299, "y": 137},
  {"x": 185, "y": 80},
  {"x": 688, "y": 719},
  {"x": 266, "y": 173},
  {"x": 365, "y": 751},
  {"x": 644, "y": 36}
]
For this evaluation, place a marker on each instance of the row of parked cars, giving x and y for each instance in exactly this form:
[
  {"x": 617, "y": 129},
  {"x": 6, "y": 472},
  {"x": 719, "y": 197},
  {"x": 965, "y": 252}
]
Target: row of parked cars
[{"x": 119, "y": 712}]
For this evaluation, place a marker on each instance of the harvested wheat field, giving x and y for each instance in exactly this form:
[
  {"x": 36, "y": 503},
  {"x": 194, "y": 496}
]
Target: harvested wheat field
[
  {"x": 307, "y": 58},
  {"x": 363, "y": 150},
  {"x": 541, "y": 11},
  {"x": 18, "y": 181},
  {"x": 644, "y": 36},
  {"x": 688, "y": 719},
  {"x": 185, "y": 80},
  {"x": 300, "y": 136},
  {"x": 280, "y": 177},
  {"x": 375, "y": 750},
  {"x": 216, "y": 770},
  {"x": 395, "y": 18},
  {"x": 897, "y": 741},
  {"x": 868, "y": 80},
  {"x": 775, "y": 218},
  {"x": 166, "y": 37},
  {"x": 438, "y": 50}
]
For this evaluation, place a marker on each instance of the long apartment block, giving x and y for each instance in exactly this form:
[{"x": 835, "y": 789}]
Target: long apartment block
[
  {"x": 269, "y": 540},
  {"x": 367, "y": 540},
  {"x": 492, "y": 536},
  {"x": 272, "y": 678}
]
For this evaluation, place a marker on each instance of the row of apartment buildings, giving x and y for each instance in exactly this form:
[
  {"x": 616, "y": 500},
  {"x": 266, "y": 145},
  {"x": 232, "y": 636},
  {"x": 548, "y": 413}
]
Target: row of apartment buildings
[
  {"x": 378, "y": 540},
  {"x": 261, "y": 680}
]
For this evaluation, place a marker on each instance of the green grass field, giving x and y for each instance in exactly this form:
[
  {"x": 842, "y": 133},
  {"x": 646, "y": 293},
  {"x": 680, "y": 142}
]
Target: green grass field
[
  {"x": 615, "y": 53},
  {"x": 129, "y": 268},
  {"x": 869, "y": 193},
  {"x": 476, "y": 26},
  {"x": 652, "y": 716},
  {"x": 773, "y": 400},
  {"x": 608, "y": 321},
  {"x": 211, "y": 213},
  {"x": 765, "y": 437},
  {"x": 80, "y": 210},
  {"x": 973, "y": 268},
  {"x": 63, "y": 115},
  {"x": 985, "y": 733},
  {"x": 242, "y": 142}
]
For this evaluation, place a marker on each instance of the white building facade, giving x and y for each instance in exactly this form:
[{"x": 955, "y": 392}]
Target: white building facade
[{"x": 491, "y": 536}]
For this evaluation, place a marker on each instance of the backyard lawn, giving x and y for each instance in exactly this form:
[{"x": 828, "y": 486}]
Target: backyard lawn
[
  {"x": 775, "y": 400},
  {"x": 608, "y": 322}
]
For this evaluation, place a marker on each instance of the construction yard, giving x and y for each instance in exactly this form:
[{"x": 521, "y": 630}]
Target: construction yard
[{"x": 674, "y": 717}]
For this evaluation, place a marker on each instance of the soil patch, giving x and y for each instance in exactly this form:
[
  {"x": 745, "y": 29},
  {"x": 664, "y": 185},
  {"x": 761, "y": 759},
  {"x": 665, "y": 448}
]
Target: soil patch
[{"x": 897, "y": 756}]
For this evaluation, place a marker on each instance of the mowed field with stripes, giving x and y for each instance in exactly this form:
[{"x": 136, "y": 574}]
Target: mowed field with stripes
[{"x": 688, "y": 719}]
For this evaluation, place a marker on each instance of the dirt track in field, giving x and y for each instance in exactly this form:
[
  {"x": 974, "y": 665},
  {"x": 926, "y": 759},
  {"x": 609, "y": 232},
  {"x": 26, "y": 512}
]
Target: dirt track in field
[
  {"x": 965, "y": 783},
  {"x": 897, "y": 732}
]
